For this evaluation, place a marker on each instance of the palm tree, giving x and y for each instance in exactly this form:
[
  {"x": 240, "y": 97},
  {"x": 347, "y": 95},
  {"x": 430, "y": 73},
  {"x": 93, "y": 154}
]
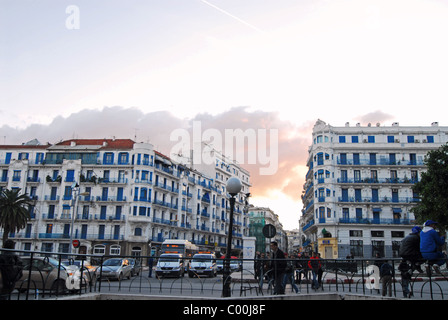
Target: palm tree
[{"x": 14, "y": 211}]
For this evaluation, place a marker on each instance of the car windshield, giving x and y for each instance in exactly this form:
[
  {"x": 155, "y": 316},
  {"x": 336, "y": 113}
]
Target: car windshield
[
  {"x": 54, "y": 262},
  {"x": 112, "y": 262},
  {"x": 202, "y": 258},
  {"x": 170, "y": 258}
]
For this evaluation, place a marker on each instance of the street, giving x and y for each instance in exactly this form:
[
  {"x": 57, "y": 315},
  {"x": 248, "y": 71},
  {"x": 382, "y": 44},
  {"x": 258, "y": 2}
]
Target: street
[{"x": 246, "y": 286}]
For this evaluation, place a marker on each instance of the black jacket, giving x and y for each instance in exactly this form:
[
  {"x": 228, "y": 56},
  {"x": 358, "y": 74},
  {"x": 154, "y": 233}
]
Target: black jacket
[
  {"x": 410, "y": 246},
  {"x": 278, "y": 262}
]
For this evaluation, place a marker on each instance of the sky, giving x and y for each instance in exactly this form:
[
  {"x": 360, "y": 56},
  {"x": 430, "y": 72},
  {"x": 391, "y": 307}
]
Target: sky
[{"x": 141, "y": 69}]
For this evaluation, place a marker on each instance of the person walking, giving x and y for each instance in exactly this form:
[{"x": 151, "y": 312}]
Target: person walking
[
  {"x": 314, "y": 264},
  {"x": 386, "y": 274},
  {"x": 406, "y": 274},
  {"x": 289, "y": 275},
  {"x": 257, "y": 265},
  {"x": 278, "y": 266}
]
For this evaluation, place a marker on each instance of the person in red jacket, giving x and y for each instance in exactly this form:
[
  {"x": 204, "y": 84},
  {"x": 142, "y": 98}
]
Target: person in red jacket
[{"x": 314, "y": 264}]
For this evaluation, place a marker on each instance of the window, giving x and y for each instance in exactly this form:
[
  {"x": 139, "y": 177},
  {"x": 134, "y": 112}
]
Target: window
[
  {"x": 341, "y": 139},
  {"x": 343, "y": 158},
  {"x": 377, "y": 233},
  {"x": 397, "y": 234},
  {"x": 371, "y": 139},
  {"x": 355, "y": 139},
  {"x": 357, "y": 175},
  {"x": 355, "y": 233},
  {"x": 345, "y": 214},
  {"x": 123, "y": 158},
  {"x": 356, "y": 248},
  {"x": 138, "y": 232},
  {"x": 377, "y": 249},
  {"x": 99, "y": 249},
  {"x": 67, "y": 193},
  {"x": 70, "y": 176},
  {"x": 390, "y": 139},
  {"x": 430, "y": 139},
  {"x": 16, "y": 175},
  {"x": 320, "y": 159},
  {"x": 108, "y": 158},
  {"x": 374, "y": 175},
  {"x": 411, "y": 139},
  {"x": 344, "y": 177}
]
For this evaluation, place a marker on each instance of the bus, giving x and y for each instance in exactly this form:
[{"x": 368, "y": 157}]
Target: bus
[
  {"x": 175, "y": 257},
  {"x": 183, "y": 247}
]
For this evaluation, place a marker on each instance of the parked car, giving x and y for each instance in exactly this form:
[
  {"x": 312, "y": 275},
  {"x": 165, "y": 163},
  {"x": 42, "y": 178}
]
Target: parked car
[
  {"x": 87, "y": 269},
  {"x": 117, "y": 268},
  {"x": 170, "y": 264},
  {"x": 48, "y": 274},
  {"x": 203, "y": 264},
  {"x": 136, "y": 266}
]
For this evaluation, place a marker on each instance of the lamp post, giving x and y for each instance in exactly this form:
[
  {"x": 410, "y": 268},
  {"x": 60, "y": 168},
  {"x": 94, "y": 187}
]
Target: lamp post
[
  {"x": 233, "y": 187},
  {"x": 75, "y": 198}
]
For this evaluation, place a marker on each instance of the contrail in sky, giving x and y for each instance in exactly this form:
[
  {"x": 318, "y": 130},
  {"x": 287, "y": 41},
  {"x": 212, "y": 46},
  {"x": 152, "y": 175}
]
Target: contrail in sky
[{"x": 232, "y": 16}]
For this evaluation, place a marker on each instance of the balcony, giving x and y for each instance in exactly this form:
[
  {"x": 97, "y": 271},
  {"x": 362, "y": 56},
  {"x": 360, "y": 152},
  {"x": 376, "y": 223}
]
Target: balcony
[
  {"x": 403, "y": 200},
  {"x": 377, "y": 221}
]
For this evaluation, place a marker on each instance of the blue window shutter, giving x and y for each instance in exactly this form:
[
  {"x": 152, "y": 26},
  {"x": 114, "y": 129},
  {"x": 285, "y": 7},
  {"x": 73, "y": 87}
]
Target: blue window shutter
[{"x": 70, "y": 176}]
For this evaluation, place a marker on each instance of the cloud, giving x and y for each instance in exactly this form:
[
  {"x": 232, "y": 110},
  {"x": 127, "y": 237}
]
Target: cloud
[
  {"x": 374, "y": 117},
  {"x": 156, "y": 127}
]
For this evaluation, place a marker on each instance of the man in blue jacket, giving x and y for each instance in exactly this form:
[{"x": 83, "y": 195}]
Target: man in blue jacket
[{"x": 429, "y": 243}]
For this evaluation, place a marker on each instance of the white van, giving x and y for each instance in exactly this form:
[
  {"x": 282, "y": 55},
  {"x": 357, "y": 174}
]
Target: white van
[
  {"x": 170, "y": 264},
  {"x": 203, "y": 264}
]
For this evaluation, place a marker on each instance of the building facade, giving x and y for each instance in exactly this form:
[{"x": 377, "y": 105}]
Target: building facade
[
  {"x": 259, "y": 217},
  {"x": 358, "y": 195},
  {"x": 120, "y": 197}
]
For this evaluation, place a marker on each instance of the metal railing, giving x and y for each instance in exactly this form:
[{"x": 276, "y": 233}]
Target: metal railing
[{"x": 48, "y": 275}]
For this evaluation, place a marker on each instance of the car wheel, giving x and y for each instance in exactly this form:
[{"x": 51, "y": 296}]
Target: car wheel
[{"x": 58, "y": 287}]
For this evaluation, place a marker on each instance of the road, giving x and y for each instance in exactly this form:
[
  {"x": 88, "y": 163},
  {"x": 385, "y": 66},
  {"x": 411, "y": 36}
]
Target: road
[{"x": 212, "y": 287}]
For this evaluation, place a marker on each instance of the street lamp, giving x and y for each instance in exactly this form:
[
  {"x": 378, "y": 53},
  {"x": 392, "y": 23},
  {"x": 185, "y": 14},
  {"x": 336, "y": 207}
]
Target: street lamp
[
  {"x": 233, "y": 187},
  {"x": 75, "y": 198}
]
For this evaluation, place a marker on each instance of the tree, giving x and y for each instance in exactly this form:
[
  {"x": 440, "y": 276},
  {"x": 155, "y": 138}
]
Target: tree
[
  {"x": 432, "y": 189},
  {"x": 14, "y": 211}
]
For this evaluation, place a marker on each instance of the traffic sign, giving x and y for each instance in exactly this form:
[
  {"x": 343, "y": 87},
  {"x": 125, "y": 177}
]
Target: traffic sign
[
  {"x": 75, "y": 243},
  {"x": 269, "y": 231}
]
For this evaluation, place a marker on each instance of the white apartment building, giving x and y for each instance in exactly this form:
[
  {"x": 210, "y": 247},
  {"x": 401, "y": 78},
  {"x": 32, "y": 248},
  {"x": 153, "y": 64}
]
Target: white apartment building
[
  {"x": 120, "y": 197},
  {"x": 358, "y": 190}
]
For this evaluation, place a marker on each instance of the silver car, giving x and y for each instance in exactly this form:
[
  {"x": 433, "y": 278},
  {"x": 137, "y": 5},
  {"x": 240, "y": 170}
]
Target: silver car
[
  {"x": 117, "y": 268},
  {"x": 46, "y": 273}
]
